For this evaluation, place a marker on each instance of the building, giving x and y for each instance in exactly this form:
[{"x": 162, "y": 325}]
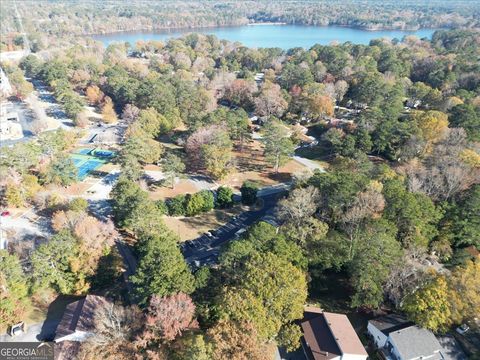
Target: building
[
  {"x": 399, "y": 339},
  {"x": 5, "y": 86},
  {"x": 330, "y": 336},
  {"x": 10, "y": 128},
  {"x": 77, "y": 322}
]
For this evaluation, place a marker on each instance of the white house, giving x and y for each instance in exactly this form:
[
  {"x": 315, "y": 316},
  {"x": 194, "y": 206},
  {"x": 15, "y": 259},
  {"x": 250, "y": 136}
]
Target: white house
[{"x": 400, "y": 339}]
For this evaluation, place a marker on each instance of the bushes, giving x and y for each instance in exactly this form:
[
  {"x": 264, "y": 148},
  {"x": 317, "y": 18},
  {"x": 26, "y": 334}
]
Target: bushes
[
  {"x": 249, "y": 192},
  {"x": 176, "y": 206},
  {"x": 194, "y": 204},
  {"x": 224, "y": 197},
  {"x": 191, "y": 204}
]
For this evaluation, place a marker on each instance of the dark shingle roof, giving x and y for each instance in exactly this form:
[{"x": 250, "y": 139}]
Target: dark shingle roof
[{"x": 388, "y": 323}]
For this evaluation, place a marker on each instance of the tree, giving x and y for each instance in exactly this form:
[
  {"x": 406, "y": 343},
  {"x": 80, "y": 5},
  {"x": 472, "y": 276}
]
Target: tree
[
  {"x": 108, "y": 112},
  {"x": 14, "y": 300},
  {"x": 61, "y": 171},
  {"x": 194, "y": 204},
  {"x": 115, "y": 330},
  {"x": 94, "y": 94},
  {"x": 299, "y": 206},
  {"x": 270, "y": 102},
  {"x": 142, "y": 148},
  {"x": 176, "y": 205},
  {"x": 432, "y": 124},
  {"x": 415, "y": 214},
  {"x": 467, "y": 117},
  {"x": 289, "y": 337},
  {"x": 172, "y": 166},
  {"x": 249, "y": 192},
  {"x": 264, "y": 277},
  {"x": 224, "y": 197},
  {"x": 372, "y": 263},
  {"x": 161, "y": 269},
  {"x": 429, "y": 306},
  {"x": 52, "y": 265},
  {"x": 462, "y": 223},
  {"x": 192, "y": 347},
  {"x": 319, "y": 106},
  {"x": 465, "y": 297},
  {"x": 236, "y": 341},
  {"x": 167, "y": 317},
  {"x": 278, "y": 146}
]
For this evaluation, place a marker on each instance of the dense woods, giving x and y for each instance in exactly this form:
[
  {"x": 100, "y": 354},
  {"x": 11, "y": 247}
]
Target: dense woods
[{"x": 91, "y": 17}]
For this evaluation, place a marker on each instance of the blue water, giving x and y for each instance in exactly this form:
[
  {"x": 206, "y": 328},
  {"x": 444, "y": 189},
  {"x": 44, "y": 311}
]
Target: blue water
[{"x": 282, "y": 36}]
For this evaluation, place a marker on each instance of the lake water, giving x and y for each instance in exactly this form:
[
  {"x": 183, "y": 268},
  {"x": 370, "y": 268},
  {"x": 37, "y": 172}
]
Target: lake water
[{"x": 282, "y": 36}]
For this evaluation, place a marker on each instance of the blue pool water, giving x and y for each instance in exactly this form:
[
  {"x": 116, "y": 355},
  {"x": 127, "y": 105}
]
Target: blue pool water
[{"x": 274, "y": 35}]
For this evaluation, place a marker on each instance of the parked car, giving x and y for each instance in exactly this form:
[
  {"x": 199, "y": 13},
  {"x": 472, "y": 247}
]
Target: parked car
[
  {"x": 462, "y": 329},
  {"x": 5, "y": 213}
]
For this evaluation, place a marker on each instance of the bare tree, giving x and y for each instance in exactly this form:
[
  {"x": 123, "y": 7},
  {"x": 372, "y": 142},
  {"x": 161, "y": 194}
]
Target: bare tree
[{"x": 300, "y": 205}]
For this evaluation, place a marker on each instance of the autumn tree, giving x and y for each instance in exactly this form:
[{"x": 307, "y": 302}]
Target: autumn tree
[
  {"x": 465, "y": 297},
  {"x": 167, "y": 317},
  {"x": 265, "y": 276},
  {"x": 116, "y": 329},
  {"x": 299, "y": 206},
  {"x": 432, "y": 124},
  {"x": 236, "y": 341},
  {"x": 94, "y": 94},
  {"x": 429, "y": 306},
  {"x": 270, "y": 102},
  {"x": 108, "y": 112}
]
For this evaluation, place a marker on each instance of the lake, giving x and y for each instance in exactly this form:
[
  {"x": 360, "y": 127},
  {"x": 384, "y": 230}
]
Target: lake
[{"x": 272, "y": 35}]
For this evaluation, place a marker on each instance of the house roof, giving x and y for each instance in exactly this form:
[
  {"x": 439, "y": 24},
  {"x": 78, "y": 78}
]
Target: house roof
[
  {"x": 414, "y": 342},
  {"x": 328, "y": 335},
  {"x": 388, "y": 323},
  {"x": 345, "y": 336},
  {"x": 79, "y": 316}
]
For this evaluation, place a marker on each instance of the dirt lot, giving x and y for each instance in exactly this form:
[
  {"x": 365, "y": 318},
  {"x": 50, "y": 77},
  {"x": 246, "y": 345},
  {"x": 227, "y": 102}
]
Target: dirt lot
[
  {"x": 184, "y": 186},
  {"x": 251, "y": 165},
  {"x": 189, "y": 228}
]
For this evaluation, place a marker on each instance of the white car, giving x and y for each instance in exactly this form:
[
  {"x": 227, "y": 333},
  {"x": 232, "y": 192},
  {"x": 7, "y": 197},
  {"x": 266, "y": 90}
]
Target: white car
[{"x": 462, "y": 329}]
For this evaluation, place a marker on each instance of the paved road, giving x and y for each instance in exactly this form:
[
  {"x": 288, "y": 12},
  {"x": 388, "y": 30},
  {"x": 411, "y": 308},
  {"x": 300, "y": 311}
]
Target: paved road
[{"x": 205, "y": 250}]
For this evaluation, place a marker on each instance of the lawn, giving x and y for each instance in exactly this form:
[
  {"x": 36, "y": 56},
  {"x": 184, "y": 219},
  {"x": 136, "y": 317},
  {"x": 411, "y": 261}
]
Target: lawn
[{"x": 189, "y": 228}]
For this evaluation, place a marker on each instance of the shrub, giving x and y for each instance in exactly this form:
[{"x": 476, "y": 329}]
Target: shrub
[
  {"x": 162, "y": 207},
  {"x": 194, "y": 204},
  {"x": 208, "y": 200},
  {"x": 78, "y": 205},
  {"x": 249, "y": 192},
  {"x": 224, "y": 197},
  {"x": 176, "y": 206}
]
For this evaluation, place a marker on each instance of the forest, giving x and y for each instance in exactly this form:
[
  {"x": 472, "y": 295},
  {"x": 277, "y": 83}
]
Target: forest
[
  {"x": 58, "y": 19},
  {"x": 402, "y": 187}
]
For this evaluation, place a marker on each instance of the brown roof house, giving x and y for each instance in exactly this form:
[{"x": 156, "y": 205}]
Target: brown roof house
[
  {"x": 330, "y": 336},
  {"x": 77, "y": 323}
]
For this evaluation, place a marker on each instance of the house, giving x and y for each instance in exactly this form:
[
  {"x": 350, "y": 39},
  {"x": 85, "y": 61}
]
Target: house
[
  {"x": 399, "y": 339},
  {"x": 78, "y": 321},
  {"x": 10, "y": 128},
  {"x": 330, "y": 336}
]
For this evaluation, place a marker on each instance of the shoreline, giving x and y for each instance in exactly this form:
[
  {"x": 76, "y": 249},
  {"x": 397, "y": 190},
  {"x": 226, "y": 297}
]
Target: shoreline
[{"x": 187, "y": 30}]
